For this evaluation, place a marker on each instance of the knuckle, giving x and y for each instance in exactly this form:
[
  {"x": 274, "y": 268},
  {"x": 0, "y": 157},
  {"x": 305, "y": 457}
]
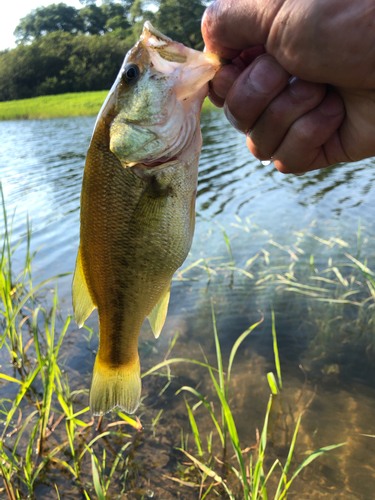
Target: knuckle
[{"x": 304, "y": 132}]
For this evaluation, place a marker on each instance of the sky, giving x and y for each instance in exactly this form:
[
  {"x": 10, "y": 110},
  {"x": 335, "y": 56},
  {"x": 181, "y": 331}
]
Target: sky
[{"x": 12, "y": 13}]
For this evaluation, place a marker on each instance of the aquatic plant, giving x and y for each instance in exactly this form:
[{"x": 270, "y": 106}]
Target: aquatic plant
[
  {"x": 48, "y": 435},
  {"x": 252, "y": 477}
]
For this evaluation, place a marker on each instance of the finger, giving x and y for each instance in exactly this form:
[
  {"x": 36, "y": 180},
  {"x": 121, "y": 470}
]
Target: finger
[
  {"x": 216, "y": 100},
  {"x": 224, "y": 79},
  {"x": 253, "y": 91},
  {"x": 298, "y": 98},
  {"x": 230, "y": 27},
  {"x": 227, "y": 75},
  {"x": 311, "y": 141}
]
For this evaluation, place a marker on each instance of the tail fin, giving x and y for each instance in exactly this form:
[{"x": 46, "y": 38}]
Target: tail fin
[{"x": 115, "y": 386}]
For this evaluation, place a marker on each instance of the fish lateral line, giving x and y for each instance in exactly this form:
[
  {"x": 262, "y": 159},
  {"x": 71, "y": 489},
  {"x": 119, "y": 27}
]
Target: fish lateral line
[{"x": 138, "y": 205}]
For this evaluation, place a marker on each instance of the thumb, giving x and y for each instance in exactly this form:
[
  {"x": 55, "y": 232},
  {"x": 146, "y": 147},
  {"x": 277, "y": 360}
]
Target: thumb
[{"x": 228, "y": 28}]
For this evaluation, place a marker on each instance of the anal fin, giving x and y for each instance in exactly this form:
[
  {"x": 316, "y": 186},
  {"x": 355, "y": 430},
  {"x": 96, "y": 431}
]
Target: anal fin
[
  {"x": 82, "y": 302},
  {"x": 159, "y": 313}
]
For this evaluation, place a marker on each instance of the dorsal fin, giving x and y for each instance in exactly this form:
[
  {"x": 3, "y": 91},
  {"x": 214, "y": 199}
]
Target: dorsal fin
[
  {"x": 159, "y": 313},
  {"x": 82, "y": 302}
]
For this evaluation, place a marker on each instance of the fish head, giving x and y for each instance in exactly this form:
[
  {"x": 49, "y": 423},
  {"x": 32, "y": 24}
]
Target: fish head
[{"x": 153, "y": 108}]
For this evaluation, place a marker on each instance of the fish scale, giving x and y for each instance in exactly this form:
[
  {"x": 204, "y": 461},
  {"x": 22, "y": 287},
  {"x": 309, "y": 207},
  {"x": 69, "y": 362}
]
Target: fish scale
[{"x": 137, "y": 220}]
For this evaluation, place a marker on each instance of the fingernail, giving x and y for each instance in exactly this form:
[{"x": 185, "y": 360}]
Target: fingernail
[{"x": 265, "y": 76}]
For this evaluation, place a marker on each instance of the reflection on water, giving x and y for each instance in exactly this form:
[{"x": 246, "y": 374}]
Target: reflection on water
[
  {"x": 296, "y": 225},
  {"x": 42, "y": 164}
]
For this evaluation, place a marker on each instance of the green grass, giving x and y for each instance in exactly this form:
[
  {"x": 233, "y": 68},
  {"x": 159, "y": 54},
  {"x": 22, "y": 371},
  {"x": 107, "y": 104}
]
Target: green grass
[
  {"x": 53, "y": 106},
  {"x": 47, "y": 427},
  {"x": 60, "y": 106},
  {"x": 251, "y": 476},
  {"x": 30, "y": 335}
]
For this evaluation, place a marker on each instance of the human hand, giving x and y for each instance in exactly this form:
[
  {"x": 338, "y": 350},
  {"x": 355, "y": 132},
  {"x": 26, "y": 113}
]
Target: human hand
[{"x": 325, "y": 112}]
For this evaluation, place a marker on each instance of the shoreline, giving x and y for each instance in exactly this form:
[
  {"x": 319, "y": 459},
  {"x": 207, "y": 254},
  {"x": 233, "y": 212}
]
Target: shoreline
[{"x": 61, "y": 106}]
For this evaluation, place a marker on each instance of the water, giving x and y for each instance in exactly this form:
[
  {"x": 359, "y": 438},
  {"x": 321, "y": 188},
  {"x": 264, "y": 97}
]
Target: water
[{"x": 326, "y": 350}]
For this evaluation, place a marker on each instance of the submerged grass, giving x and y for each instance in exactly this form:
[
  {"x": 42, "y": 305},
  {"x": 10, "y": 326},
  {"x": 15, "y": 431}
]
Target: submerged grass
[
  {"x": 41, "y": 400},
  {"x": 251, "y": 476},
  {"x": 342, "y": 287},
  {"x": 60, "y": 106},
  {"x": 48, "y": 429}
]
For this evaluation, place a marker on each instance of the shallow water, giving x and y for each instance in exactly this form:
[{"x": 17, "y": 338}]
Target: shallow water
[{"x": 326, "y": 349}]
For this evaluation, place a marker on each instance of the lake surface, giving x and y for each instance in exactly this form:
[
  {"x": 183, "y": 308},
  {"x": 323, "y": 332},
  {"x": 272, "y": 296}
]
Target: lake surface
[{"x": 298, "y": 229}]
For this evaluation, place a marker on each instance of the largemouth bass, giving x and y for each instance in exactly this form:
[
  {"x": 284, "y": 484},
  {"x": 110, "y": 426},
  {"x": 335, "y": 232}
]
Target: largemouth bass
[{"x": 138, "y": 205}]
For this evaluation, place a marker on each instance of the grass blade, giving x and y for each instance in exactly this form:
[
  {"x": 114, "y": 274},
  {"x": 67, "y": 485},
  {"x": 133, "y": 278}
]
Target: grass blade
[
  {"x": 306, "y": 462},
  {"x": 95, "y": 477},
  {"x": 196, "y": 393},
  {"x": 194, "y": 428},
  {"x": 209, "y": 472},
  {"x": 272, "y": 383},
  {"x": 237, "y": 344},
  {"x": 276, "y": 351}
]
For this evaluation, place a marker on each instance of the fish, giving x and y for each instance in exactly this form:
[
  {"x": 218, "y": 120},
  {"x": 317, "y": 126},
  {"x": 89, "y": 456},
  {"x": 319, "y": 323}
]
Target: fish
[{"x": 138, "y": 205}]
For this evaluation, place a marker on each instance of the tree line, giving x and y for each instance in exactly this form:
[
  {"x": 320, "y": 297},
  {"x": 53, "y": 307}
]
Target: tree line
[{"x": 63, "y": 49}]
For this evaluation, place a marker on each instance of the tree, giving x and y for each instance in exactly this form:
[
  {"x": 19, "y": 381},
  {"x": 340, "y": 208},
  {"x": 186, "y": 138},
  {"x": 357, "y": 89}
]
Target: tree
[
  {"x": 178, "y": 19},
  {"x": 63, "y": 49},
  {"x": 44, "y": 20},
  {"x": 117, "y": 17},
  {"x": 94, "y": 19},
  {"x": 181, "y": 21},
  {"x": 90, "y": 19},
  {"x": 60, "y": 62}
]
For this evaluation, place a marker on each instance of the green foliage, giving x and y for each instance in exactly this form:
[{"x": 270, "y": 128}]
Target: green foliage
[
  {"x": 63, "y": 49},
  {"x": 94, "y": 19},
  {"x": 181, "y": 21},
  {"x": 46, "y": 427},
  {"x": 43, "y": 20},
  {"x": 33, "y": 338},
  {"x": 116, "y": 19},
  {"x": 90, "y": 19},
  {"x": 58, "y": 63}
]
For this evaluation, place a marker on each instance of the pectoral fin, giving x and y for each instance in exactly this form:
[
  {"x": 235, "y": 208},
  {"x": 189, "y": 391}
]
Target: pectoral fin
[
  {"x": 82, "y": 302},
  {"x": 159, "y": 313}
]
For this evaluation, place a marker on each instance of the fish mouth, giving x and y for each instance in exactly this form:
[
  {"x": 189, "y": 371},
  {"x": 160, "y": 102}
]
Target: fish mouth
[
  {"x": 190, "y": 69},
  {"x": 160, "y": 162},
  {"x": 172, "y": 151},
  {"x": 149, "y": 30}
]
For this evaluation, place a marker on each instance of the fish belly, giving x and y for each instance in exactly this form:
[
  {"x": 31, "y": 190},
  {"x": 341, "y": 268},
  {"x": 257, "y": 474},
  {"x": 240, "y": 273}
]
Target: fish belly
[{"x": 136, "y": 230}]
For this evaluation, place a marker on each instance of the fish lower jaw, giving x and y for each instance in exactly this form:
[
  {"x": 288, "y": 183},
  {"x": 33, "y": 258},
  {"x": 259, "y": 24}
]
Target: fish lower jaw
[
  {"x": 144, "y": 171},
  {"x": 158, "y": 163},
  {"x": 172, "y": 151}
]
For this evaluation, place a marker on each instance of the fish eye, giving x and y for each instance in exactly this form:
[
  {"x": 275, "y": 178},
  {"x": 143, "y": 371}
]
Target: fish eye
[{"x": 130, "y": 74}]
